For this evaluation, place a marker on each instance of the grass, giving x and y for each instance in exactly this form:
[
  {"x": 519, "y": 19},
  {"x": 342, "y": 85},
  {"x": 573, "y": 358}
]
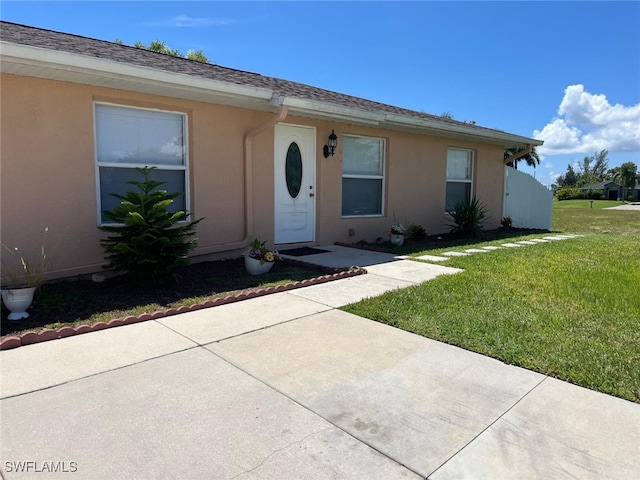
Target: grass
[
  {"x": 585, "y": 204},
  {"x": 569, "y": 309},
  {"x": 77, "y": 302},
  {"x": 578, "y": 216}
]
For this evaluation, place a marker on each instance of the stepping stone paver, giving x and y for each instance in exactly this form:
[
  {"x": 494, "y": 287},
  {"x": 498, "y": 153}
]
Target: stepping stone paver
[
  {"x": 469, "y": 251},
  {"x": 432, "y": 258}
]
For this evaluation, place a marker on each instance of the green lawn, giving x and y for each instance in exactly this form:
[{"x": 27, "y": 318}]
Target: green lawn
[
  {"x": 578, "y": 216},
  {"x": 569, "y": 309},
  {"x": 584, "y": 204}
]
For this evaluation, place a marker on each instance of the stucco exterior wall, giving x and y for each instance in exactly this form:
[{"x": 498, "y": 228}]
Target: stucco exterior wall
[
  {"x": 48, "y": 174},
  {"x": 415, "y": 183}
]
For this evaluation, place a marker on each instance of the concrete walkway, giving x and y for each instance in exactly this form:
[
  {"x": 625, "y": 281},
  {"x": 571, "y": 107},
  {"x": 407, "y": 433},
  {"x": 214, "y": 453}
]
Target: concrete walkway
[
  {"x": 634, "y": 206},
  {"x": 288, "y": 387}
]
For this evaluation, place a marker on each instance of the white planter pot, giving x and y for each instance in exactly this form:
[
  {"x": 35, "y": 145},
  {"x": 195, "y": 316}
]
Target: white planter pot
[
  {"x": 254, "y": 267},
  {"x": 17, "y": 300},
  {"x": 397, "y": 239}
]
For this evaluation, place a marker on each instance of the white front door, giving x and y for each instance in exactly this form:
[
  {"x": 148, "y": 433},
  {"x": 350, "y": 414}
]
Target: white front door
[{"x": 295, "y": 190}]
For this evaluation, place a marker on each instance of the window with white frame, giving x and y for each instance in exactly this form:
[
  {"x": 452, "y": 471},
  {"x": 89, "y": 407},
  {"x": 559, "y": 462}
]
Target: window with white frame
[
  {"x": 459, "y": 177},
  {"x": 127, "y": 138},
  {"x": 362, "y": 176}
]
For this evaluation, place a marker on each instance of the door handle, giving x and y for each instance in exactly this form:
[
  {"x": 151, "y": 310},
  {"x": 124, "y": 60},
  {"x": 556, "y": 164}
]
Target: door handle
[{"x": 312, "y": 194}]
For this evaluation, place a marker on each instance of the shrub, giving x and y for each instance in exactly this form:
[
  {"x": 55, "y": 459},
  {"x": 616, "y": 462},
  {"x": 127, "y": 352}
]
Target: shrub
[
  {"x": 416, "y": 231},
  {"x": 146, "y": 243},
  {"x": 506, "y": 223},
  {"x": 468, "y": 218},
  {"x": 568, "y": 193},
  {"x": 593, "y": 195}
]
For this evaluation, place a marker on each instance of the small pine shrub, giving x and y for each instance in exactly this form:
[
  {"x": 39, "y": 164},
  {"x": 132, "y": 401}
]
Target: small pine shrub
[
  {"x": 147, "y": 242},
  {"x": 468, "y": 218}
]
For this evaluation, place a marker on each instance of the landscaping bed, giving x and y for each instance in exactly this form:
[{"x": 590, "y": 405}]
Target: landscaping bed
[
  {"x": 76, "y": 306},
  {"x": 443, "y": 240}
]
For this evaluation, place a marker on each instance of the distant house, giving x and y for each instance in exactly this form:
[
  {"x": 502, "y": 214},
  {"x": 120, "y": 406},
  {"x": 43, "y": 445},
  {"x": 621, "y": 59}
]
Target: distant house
[
  {"x": 611, "y": 190},
  {"x": 247, "y": 151}
]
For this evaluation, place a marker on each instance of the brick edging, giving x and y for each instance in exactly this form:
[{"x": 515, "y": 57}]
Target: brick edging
[{"x": 330, "y": 274}]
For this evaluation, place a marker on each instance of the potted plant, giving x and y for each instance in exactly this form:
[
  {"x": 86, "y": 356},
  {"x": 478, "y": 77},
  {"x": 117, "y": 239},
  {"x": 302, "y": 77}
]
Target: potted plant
[
  {"x": 20, "y": 283},
  {"x": 258, "y": 259},
  {"x": 397, "y": 234}
]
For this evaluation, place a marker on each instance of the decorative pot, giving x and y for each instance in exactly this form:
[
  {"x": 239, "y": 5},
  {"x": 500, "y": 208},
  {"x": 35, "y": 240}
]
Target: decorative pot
[
  {"x": 397, "y": 239},
  {"x": 17, "y": 300},
  {"x": 254, "y": 267}
]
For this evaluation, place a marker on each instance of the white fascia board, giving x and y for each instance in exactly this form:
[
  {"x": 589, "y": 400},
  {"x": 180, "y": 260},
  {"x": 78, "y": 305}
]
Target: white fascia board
[
  {"x": 35, "y": 56},
  {"x": 332, "y": 111},
  {"x": 470, "y": 131}
]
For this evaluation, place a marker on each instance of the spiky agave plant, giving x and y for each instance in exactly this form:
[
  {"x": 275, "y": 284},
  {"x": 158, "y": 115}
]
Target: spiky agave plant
[{"x": 468, "y": 218}]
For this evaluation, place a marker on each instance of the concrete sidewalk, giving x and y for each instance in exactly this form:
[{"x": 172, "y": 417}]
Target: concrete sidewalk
[
  {"x": 634, "y": 206},
  {"x": 285, "y": 386}
]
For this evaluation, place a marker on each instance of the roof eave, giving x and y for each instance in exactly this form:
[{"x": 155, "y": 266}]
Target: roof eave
[
  {"x": 71, "y": 67},
  {"x": 84, "y": 69},
  {"x": 460, "y": 130},
  {"x": 331, "y": 111}
]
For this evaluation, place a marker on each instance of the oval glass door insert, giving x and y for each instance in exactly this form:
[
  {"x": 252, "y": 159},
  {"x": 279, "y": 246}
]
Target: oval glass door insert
[{"x": 293, "y": 170}]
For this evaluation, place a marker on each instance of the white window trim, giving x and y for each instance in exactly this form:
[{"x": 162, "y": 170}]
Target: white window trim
[
  {"x": 460, "y": 180},
  {"x": 371, "y": 177},
  {"x": 185, "y": 167}
]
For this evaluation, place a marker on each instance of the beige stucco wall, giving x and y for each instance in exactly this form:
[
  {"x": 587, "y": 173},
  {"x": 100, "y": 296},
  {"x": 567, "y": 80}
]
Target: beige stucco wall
[
  {"x": 48, "y": 173},
  {"x": 415, "y": 180}
]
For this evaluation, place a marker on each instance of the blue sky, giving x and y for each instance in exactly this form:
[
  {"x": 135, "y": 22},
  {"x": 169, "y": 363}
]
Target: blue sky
[{"x": 565, "y": 72}]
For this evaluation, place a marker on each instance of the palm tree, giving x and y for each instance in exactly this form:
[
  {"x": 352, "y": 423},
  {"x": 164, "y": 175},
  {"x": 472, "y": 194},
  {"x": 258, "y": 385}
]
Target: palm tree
[
  {"x": 531, "y": 158},
  {"x": 625, "y": 176}
]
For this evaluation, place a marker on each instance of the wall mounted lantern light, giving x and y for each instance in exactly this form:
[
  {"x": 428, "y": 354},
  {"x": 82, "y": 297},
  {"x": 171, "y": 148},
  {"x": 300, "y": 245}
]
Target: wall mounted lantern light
[{"x": 330, "y": 148}]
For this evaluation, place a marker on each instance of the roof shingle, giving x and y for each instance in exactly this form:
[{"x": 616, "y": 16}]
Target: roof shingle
[{"x": 42, "y": 38}]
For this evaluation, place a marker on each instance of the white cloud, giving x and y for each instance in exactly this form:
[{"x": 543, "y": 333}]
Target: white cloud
[
  {"x": 558, "y": 137},
  {"x": 589, "y": 123},
  {"x": 187, "y": 21}
]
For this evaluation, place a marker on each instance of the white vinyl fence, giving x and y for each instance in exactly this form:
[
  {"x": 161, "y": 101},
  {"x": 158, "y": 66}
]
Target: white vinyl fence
[{"x": 526, "y": 200}]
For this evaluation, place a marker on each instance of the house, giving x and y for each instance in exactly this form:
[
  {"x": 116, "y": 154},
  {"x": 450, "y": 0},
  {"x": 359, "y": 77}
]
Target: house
[
  {"x": 611, "y": 190},
  {"x": 247, "y": 151}
]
